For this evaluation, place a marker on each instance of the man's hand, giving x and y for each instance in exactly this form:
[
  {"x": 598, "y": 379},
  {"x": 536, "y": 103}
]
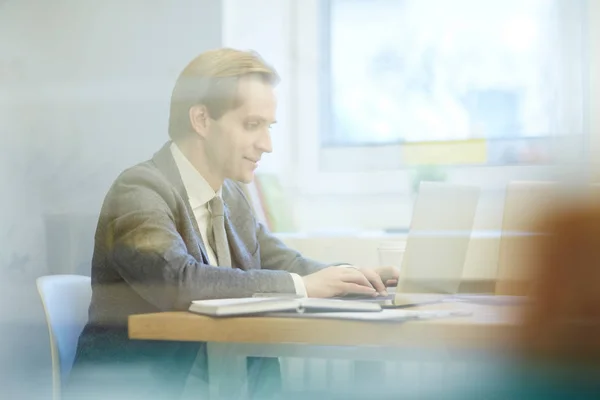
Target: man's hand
[
  {"x": 380, "y": 277},
  {"x": 338, "y": 281}
]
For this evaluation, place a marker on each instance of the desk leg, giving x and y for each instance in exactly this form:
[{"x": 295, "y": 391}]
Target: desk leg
[{"x": 227, "y": 375}]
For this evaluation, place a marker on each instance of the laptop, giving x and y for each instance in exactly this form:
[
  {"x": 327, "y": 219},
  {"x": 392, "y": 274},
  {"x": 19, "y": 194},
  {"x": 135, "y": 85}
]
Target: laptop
[
  {"x": 525, "y": 205},
  {"x": 436, "y": 246}
]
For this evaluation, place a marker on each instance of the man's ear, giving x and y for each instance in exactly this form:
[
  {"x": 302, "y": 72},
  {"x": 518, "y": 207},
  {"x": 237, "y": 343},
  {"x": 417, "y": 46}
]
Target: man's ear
[{"x": 199, "y": 119}]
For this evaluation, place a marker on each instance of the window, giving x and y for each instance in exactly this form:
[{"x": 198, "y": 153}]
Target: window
[
  {"x": 488, "y": 90},
  {"x": 485, "y": 79}
]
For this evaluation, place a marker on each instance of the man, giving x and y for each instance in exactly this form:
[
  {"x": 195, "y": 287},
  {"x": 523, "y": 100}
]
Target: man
[{"x": 178, "y": 228}]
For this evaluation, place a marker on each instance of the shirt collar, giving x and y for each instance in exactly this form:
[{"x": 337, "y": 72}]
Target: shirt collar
[{"x": 198, "y": 189}]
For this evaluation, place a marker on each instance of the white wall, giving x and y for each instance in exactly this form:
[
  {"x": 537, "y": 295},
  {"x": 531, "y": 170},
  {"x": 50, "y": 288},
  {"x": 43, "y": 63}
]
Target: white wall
[{"x": 84, "y": 92}]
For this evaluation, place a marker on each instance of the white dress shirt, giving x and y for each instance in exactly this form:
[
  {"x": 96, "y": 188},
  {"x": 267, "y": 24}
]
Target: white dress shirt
[{"x": 199, "y": 194}]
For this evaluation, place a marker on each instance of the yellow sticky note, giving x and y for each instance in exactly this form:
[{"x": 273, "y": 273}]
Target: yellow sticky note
[{"x": 451, "y": 152}]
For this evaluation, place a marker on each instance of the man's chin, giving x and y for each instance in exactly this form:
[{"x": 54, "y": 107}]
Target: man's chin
[{"x": 246, "y": 178}]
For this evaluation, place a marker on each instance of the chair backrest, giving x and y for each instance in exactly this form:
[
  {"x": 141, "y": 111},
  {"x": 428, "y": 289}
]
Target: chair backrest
[{"x": 66, "y": 299}]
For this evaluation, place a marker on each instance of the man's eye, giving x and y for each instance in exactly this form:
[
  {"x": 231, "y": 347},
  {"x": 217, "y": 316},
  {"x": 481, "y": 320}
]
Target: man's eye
[{"x": 252, "y": 125}]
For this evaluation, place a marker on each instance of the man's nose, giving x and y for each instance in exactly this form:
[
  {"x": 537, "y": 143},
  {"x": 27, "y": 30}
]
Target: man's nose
[{"x": 264, "y": 144}]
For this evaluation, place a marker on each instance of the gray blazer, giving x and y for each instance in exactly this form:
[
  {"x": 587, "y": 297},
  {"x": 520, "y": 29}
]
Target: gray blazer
[{"x": 149, "y": 257}]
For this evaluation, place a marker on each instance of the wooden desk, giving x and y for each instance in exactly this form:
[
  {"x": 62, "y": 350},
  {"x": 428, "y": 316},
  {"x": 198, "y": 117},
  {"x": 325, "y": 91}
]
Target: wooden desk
[
  {"x": 231, "y": 340},
  {"x": 487, "y": 326}
]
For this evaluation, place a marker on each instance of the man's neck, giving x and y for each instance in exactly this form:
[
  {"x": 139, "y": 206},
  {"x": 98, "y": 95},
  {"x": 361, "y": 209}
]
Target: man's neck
[{"x": 194, "y": 152}]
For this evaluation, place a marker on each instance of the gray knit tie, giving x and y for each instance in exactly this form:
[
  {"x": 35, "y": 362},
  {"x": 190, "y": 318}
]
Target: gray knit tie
[{"x": 217, "y": 239}]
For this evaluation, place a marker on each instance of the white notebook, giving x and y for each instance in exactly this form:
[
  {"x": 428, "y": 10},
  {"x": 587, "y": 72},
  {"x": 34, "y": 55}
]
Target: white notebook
[{"x": 253, "y": 305}]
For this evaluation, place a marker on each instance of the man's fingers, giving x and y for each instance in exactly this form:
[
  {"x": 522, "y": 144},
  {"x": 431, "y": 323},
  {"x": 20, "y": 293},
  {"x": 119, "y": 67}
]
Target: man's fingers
[
  {"x": 375, "y": 280},
  {"x": 356, "y": 276},
  {"x": 389, "y": 272},
  {"x": 391, "y": 282},
  {"x": 354, "y": 288}
]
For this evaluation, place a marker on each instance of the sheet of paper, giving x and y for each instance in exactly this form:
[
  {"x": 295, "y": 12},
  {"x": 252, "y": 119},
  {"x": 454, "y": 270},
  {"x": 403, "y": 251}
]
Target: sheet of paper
[
  {"x": 493, "y": 300},
  {"x": 385, "y": 315}
]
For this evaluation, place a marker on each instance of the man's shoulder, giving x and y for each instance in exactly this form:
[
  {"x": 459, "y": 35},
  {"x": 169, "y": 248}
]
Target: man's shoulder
[
  {"x": 144, "y": 174},
  {"x": 142, "y": 179},
  {"x": 144, "y": 171}
]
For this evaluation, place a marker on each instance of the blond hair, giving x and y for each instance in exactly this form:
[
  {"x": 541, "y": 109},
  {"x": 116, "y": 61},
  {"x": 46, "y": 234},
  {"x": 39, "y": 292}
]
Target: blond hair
[{"x": 212, "y": 79}]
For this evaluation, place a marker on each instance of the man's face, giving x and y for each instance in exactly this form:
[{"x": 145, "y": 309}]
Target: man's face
[{"x": 238, "y": 139}]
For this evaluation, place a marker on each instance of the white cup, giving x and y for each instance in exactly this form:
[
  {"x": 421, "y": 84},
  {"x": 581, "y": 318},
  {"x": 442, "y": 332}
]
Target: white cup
[{"x": 391, "y": 253}]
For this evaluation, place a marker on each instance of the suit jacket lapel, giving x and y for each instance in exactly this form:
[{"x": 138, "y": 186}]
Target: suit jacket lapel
[{"x": 163, "y": 159}]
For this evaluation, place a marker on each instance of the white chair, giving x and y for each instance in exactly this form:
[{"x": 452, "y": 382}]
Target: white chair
[{"x": 66, "y": 299}]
